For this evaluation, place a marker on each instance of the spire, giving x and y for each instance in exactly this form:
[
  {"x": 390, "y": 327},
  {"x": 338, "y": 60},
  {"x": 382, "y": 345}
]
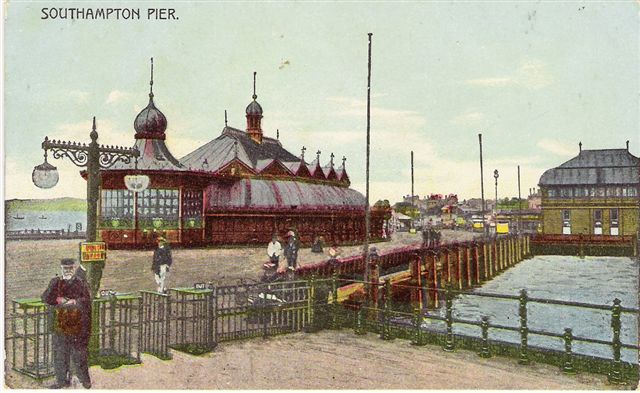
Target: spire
[
  {"x": 344, "y": 159},
  {"x": 225, "y": 117},
  {"x": 331, "y": 161},
  {"x": 278, "y": 134},
  {"x": 254, "y": 86},
  {"x": 151, "y": 82},
  {"x": 318, "y": 156},
  {"x": 627, "y": 145},
  {"x": 580, "y": 146},
  {"x": 302, "y": 155}
]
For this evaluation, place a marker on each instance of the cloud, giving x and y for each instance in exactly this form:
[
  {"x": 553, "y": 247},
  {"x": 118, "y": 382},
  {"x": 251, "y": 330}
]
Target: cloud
[
  {"x": 81, "y": 97},
  {"x": 468, "y": 119},
  {"x": 117, "y": 96},
  {"x": 353, "y": 107},
  {"x": 79, "y": 132},
  {"x": 530, "y": 75},
  {"x": 556, "y": 147}
]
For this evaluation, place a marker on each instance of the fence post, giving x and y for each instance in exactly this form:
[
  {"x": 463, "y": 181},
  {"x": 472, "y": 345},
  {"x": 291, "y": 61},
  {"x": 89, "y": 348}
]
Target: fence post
[
  {"x": 567, "y": 367},
  {"x": 615, "y": 375},
  {"x": 310, "y": 303},
  {"x": 484, "y": 325},
  {"x": 334, "y": 295},
  {"x": 359, "y": 326},
  {"x": 448, "y": 301},
  {"x": 386, "y": 312},
  {"x": 524, "y": 330},
  {"x": 418, "y": 339}
]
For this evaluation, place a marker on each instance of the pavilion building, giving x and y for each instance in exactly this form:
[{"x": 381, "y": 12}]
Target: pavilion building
[
  {"x": 592, "y": 198},
  {"x": 239, "y": 188}
]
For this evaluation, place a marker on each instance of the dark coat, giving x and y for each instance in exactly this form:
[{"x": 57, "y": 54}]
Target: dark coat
[
  {"x": 161, "y": 256},
  {"x": 76, "y": 289}
]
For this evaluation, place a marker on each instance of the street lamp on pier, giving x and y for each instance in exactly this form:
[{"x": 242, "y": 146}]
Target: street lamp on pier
[
  {"x": 94, "y": 157},
  {"x": 495, "y": 176}
]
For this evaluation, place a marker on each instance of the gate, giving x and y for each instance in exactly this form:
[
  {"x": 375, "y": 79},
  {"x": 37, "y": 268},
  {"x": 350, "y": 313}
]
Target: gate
[
  {"x": 193, "y": 317},
  {"x": 154, "y": 324},
  {"x": 254, "y": 310}
]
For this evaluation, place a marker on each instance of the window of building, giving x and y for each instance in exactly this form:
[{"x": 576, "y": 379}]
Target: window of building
[
  {"x": 600, "y": 191},
  {"x": 552, "y": 193},
  {"x": 566, "y": 222},
  {"x": 597, "y": 215},
  {"x": 614, "y": 222},
  {"x": 613, "y": 214},
  {"x": 158, "y": 208},
  {"x": 116, "y": 208},
  {"x": 566, "y": 192},
  {"x": 566, "y": 215},
  {"x": 191, "y": 209}
]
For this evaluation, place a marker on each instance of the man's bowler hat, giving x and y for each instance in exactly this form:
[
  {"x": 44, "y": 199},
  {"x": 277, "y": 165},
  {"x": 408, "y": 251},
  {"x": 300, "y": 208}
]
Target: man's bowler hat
[{"x": 67, "y": 262}]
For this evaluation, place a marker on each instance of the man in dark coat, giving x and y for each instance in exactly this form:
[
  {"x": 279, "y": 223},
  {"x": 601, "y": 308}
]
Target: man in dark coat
[
  {"x": 161, "y": 262},
  {"x": 291, "y": 251},
  {"x": 71, "y": 324}
]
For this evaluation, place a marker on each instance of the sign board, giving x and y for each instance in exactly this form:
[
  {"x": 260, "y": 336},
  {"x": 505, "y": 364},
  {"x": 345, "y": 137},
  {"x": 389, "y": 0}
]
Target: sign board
[
  {"x": 93, "y": 251},
  {"x": 199, "y": 285}
]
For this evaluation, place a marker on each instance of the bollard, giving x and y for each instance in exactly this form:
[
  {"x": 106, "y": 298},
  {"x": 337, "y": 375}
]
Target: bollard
[
  {"x": 359, "y": 326},
  {"x": 485, "y": 352},
  {"x": 524, "y": 330},
  {"x": 418, "y": 337},
  {"x": 567, "y": 367},
  {"x": 615, "y": 375},
  {"x": 386, "y": 312},
  {"x": 448, "y": 301},
  {"x": 333, "y": 324}
]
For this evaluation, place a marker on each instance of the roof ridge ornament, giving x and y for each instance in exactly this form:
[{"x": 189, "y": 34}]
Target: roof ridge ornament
[
  {"x": 344, "y": 159},
  {"x": 331, "y": 161},
  {"x": 318, "y": 156},
  {"x": 302, "y": 155},
  {"x": 225, "y": 117},
  {"x": 580, "y": 146},
  {"x": 151, "y": 82}
]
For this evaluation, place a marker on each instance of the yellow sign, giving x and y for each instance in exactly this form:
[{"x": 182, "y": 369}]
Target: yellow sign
[{"x": 94, "y": 251}]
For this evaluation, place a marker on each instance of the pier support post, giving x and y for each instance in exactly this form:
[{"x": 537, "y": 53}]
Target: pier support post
[
  {"x": 459, "y": 268},
  {"x": 485, "y": 265},
  {"x": 524, "y": 330},
  {"x": 489, "y": 247},
  {"x": 448, "y": 300},
  {"x": 467, "y": 253},
  {"x": 494, "y": 245},
  {"x": 485, "y": 352},
  {"x": 615, "y": 375},
  {"x": 476, "y": 263},
  {"x": 567, "y": 367}
]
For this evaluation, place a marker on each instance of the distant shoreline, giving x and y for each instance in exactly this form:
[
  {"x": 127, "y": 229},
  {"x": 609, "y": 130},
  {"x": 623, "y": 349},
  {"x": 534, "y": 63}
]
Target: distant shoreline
[{"x": 55, "y": 204}]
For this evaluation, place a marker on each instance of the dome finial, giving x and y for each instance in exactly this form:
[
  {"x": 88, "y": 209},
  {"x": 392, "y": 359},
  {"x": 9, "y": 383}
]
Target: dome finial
[
  {"x": 151, "y": 82},
  {"x": 254, "y": 85}
]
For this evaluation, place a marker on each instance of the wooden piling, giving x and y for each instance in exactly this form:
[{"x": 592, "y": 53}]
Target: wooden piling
[
  {"x": 459, "y": 268},
  {"x": 468, "y": 263},
  {"x": 476, "y": 257}
]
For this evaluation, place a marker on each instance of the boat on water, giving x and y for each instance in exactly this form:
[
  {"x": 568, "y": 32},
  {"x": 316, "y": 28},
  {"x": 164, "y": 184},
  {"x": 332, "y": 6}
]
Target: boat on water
[
  {"x": 17, "y": 217},
  {"x": 43, "y": 217}
]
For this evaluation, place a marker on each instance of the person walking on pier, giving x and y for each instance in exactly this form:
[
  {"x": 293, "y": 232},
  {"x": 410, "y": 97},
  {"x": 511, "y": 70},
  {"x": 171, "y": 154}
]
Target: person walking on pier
[
  {"x": 291, "y": 251},
  {"x": 161, "y": 262},
  {"x": 70, "y": 299}
]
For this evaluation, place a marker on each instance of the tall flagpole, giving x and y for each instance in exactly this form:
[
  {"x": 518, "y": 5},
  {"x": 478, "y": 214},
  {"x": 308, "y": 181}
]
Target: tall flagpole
[
  {"x": 367, "y": 209},
  {"x": 484, "y": 226}
]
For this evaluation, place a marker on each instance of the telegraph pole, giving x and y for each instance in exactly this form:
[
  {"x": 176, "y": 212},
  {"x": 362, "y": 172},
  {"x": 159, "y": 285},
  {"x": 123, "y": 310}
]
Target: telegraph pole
[{"x": 367, "y": 208}]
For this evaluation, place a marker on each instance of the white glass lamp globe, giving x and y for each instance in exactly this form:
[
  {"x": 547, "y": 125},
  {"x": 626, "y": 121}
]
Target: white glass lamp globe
[
  {"x": 45, "y": 175},
  {"x": 136, "y": 183}
]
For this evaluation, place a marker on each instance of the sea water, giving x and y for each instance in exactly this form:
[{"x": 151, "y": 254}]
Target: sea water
[
  {"x": 52, "y": 220},
  {"x": 593, "y": 280}
]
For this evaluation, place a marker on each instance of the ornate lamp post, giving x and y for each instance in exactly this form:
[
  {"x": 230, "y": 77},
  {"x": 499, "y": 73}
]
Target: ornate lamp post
[{"x": 94, "y": 157}]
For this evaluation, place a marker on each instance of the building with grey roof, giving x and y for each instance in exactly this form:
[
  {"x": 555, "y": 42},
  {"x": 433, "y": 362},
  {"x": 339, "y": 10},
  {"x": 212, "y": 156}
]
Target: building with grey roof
[{"x": 593, "y": 197}]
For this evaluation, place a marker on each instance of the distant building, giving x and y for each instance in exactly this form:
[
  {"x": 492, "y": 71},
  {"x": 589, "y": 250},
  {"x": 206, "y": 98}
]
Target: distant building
[{"x": 594, "y": 193}]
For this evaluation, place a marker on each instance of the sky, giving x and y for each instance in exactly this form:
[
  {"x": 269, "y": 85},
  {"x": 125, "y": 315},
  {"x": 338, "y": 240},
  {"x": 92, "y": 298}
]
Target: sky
[{"x": 535, "y": 78}]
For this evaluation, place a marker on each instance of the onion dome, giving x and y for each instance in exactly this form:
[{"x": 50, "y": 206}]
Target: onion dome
[
  {"x": 254, "y": 108},
  {"x": 150, "y": 122}
]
